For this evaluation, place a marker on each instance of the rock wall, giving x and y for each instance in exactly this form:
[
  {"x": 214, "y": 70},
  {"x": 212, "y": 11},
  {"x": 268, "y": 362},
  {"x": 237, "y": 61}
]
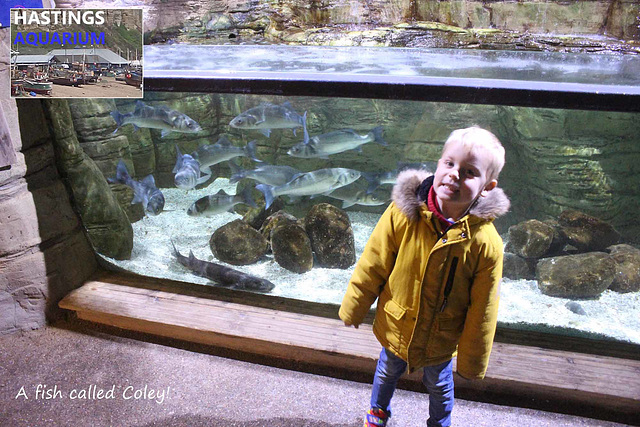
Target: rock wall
[
  {"x": 566, "y": 159},
  {"x": 43, "y": 249},
  {"x": 531, "y": 24},
  {"x": 107, "y": 225}
]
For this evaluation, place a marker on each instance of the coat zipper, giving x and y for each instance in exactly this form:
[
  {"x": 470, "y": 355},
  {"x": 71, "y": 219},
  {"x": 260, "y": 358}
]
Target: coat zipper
[{"x": 449, "y": 286}]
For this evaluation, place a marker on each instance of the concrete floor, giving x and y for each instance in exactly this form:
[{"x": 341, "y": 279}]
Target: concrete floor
[{"x": 148, "y": 383}]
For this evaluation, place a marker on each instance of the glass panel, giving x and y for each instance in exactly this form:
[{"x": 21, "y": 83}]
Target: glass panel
[
  {"x": 558, "y": 71},
  {"x": 558, "y": 161}
]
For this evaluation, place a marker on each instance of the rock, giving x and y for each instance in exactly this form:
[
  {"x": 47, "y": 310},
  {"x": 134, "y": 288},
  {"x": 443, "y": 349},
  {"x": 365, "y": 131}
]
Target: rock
[
  {"x": 219, "y": 21},
  {"x": 107, "y": 225},
  {"x": 331, "y": 236},
  {"x": 124, "y": 195},
  {"x": 291, "y": 247},
  {"x": 515, "y": 267},
  {"x": 275, "y": 220},
  {"x": 586, "y": 232},
  {"x": 576, "y": 276},
  {"x": 627, "y": 258},
  {"x": 256, "y": 217},
  {"x": 576, "y": 308},
  {"x": 531, "y": 239},
  {"x": 238, "y": 243},
  {"x": 94, "y": 129}
]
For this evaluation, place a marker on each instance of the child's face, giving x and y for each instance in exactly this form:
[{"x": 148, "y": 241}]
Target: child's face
[{"x": 460, "y": 177}]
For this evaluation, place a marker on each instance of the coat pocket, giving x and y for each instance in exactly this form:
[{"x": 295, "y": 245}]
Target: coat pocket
[
  {"x": 390, "y": 322},
  {"x": 394, "y": 310}
]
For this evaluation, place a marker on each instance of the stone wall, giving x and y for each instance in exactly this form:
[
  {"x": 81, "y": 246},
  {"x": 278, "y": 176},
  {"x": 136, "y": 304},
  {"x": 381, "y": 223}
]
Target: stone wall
[
  {"x": 43, "y": 249},
  {"x": 588, "y": 25}
]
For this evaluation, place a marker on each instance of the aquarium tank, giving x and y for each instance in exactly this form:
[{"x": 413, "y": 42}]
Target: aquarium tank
[{"x": 268, "y": 142}]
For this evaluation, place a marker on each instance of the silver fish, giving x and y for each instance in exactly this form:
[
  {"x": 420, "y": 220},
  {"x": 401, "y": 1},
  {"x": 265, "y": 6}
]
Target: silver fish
[
  {"x": 354, "y": 194},
  {"x": 222, "y": 275},
  {"x": 219, "y": 203},
  {"x": 160, "y": 117},
  {"x": 265, "y": 174},
  {"x": 322, "y": 181},
  {"x": 267, "y": 116},
  {"x": 377, "y": 179},
  {"x": 321, "y": 146},
  {"x": 144, "y": 191},
  {"x": 221, "y": 151},
  {"x": 187, "y": 170}
]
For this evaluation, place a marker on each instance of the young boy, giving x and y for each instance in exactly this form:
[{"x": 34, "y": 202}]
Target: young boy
[{"x": 434, "y": 261}]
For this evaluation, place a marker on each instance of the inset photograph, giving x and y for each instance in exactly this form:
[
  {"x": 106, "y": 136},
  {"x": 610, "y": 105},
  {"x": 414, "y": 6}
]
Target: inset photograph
[{"x": 81, "y": 53}]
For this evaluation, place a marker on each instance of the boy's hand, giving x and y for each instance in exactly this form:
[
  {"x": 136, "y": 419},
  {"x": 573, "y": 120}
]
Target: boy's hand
[{"x": 347, "y": 324}]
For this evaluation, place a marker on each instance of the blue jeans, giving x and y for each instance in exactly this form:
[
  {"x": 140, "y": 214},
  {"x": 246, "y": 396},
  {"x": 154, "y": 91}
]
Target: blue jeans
[{"x": 438, "y": 379}]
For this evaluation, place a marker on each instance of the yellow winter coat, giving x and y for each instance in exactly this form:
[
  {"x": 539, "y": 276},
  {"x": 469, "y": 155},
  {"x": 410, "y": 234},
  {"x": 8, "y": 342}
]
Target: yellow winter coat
[{"x": 435, "y": 294}]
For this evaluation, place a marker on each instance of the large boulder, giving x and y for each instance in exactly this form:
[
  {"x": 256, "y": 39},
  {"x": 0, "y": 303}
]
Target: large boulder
[
  {"x": 576, "y": 276},
  {"x": 291, "y": 247},
  {"x": 532, "y": 238},
  {"x": 238, "y": 243},
  {"x": 332, "y": 240},
  {"x": 627, "y": 278},
  {"x": 586, "y": 232}
]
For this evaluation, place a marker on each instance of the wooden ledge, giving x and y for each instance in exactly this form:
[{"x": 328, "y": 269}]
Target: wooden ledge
[{"x": 588, "y": 385}]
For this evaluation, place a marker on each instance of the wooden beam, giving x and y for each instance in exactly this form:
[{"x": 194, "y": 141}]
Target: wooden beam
[{"x": 211, "y": 318}]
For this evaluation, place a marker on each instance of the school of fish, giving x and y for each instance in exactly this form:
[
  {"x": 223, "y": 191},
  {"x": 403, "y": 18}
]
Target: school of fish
[{"x": 194, "y": 169}]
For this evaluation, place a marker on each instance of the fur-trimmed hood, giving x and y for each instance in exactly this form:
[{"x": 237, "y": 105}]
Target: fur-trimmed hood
[{"x": 408, "y": 198}]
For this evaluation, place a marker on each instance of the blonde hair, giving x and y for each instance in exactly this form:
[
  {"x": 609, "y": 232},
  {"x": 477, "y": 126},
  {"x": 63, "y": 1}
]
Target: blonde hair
[{"x": 475, "y": 137}]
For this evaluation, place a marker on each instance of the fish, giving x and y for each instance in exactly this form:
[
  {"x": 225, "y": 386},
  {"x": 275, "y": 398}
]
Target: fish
[
  {"x": 160, "y": 117},
  {"x": 144, "y": 191},
  {"x": 187, "y": 170},
  {"x": 354, "y": 194},
  {"x": 221, "y": 151},
  {"x": 223, "y": 276},
  {"x": 322, "y": 146},
  {"x": 321, "y": 181},
  {"x": 220, "y": 202},
  {"x": 266, "y": 174},
  {"x": 376, "y": 179},
  {"x": 267, "y": 116}
]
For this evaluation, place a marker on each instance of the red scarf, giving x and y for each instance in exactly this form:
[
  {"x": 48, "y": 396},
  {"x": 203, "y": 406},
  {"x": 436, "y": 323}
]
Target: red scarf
[{"x": 432, "y": 205}]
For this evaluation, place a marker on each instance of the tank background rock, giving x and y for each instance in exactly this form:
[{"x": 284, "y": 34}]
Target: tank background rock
[{"x": 238, "y": 243}]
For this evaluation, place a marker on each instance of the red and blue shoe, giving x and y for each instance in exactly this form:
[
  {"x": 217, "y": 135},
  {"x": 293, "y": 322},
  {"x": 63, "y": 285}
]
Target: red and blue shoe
[{"x": 376, "y": 418}]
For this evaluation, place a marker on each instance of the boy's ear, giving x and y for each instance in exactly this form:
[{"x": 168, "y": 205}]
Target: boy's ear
[{"x": 490, "y": 186}]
